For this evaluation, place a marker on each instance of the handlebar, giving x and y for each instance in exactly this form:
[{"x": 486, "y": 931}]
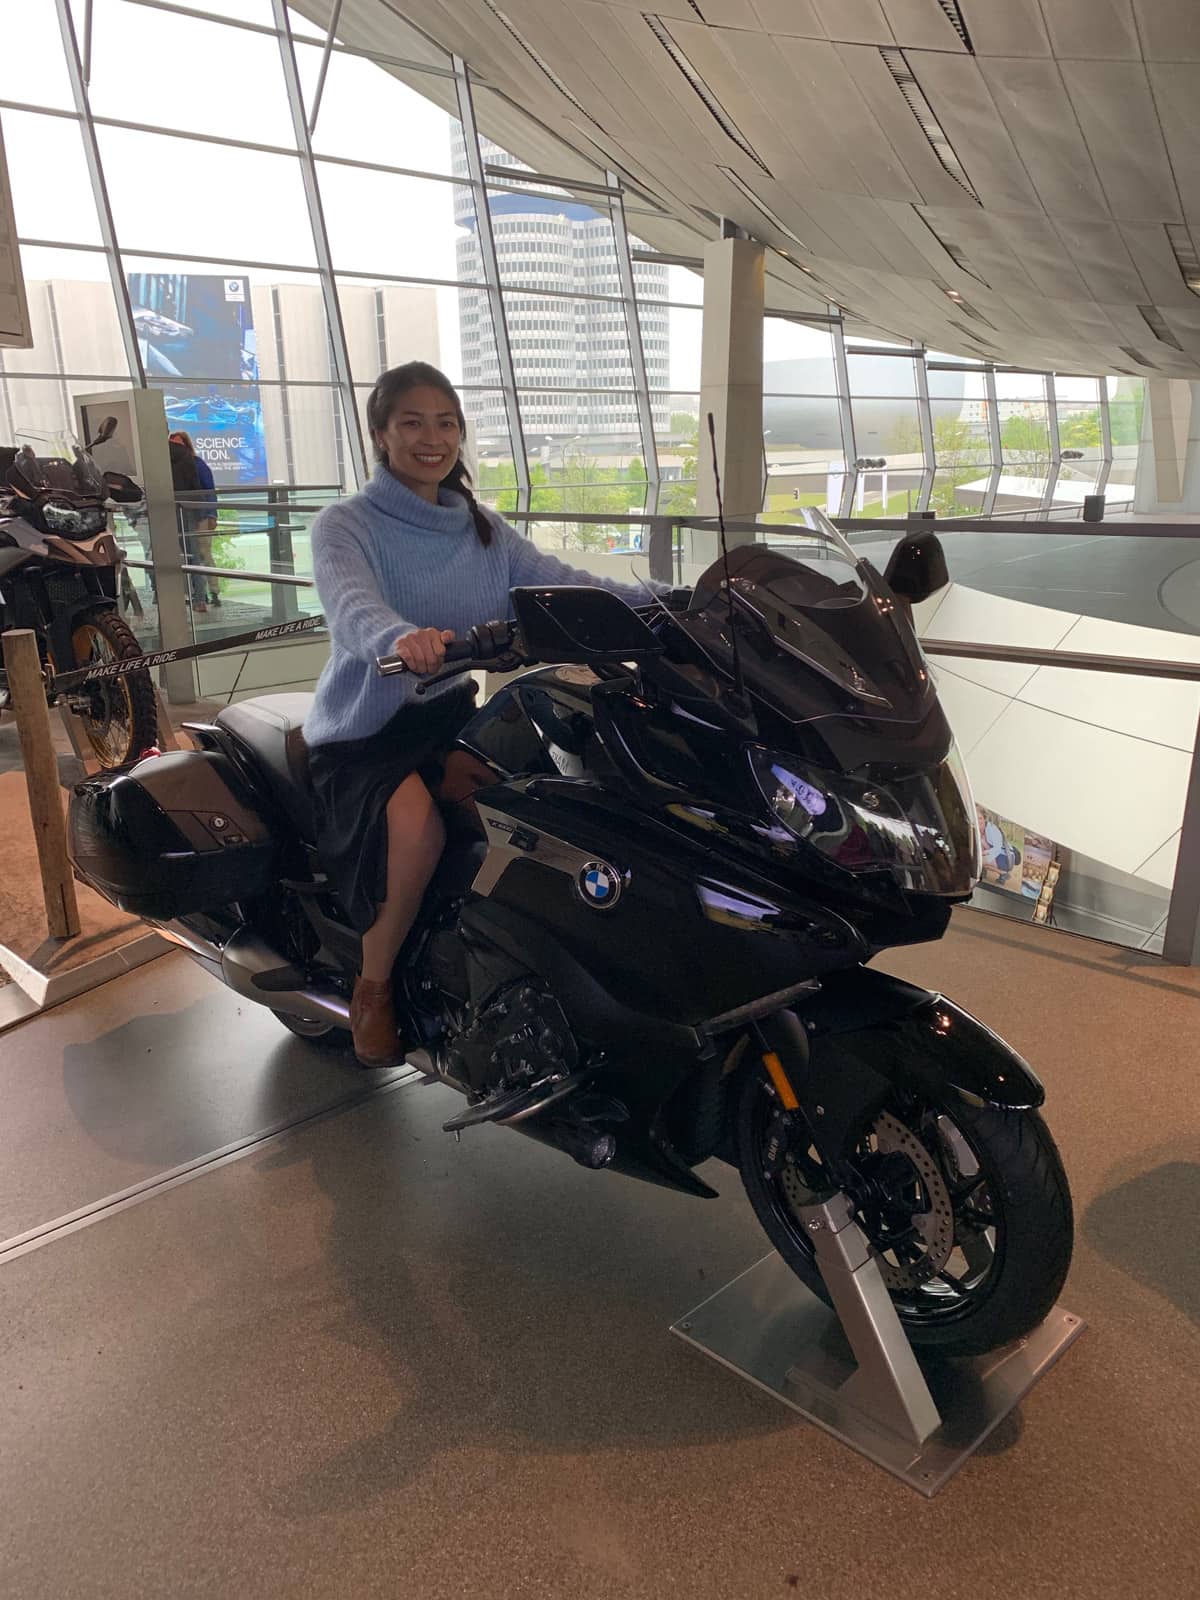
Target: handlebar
[
  {"x": 483, "y": 645},
  {"x": 456, "y": 650},
  {"x": 492, "y": 643}
]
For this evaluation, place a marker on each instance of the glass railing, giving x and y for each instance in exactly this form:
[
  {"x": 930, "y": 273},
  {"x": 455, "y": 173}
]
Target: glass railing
[{"x": 1068, "y": 664}]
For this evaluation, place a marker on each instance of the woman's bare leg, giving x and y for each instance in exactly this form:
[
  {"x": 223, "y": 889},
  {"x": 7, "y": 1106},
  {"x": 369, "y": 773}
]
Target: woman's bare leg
[
  {"x": 415, "y": 841},
  {"x": 464, "y": 774}
]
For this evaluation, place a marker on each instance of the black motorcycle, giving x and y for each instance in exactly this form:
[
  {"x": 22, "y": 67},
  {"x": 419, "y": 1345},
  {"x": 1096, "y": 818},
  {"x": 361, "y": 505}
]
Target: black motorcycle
[
  {"x": 59, "y": 567},
  {"x": 706, "y": 820}
]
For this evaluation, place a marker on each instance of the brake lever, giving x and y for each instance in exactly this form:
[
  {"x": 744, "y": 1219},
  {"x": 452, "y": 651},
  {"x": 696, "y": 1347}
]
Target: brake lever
[
  {"x": 454, "y": 671},
  {"x": 510, "y": 661}
]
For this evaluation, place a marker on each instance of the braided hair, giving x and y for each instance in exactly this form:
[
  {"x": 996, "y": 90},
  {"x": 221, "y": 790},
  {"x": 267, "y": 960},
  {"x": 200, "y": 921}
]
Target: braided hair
[{"x": 389, "y": 388}]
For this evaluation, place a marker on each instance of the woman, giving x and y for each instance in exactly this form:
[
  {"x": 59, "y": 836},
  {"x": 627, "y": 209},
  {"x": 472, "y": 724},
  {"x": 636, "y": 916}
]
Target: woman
[
  {"x": 403, "y": 568},
  {"x": 203, "y": 518}
]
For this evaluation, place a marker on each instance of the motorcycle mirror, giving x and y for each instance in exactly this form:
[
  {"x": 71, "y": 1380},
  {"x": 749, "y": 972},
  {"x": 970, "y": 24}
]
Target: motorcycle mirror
[
  {"x": 579, "y": 624},
  {"x": 917, "y": 568},
  {"x": 105, "y": 431}
]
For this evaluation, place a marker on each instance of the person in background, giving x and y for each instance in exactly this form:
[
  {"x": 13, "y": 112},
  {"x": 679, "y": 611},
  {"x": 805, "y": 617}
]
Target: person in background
[{"x": 205, "y": 516}]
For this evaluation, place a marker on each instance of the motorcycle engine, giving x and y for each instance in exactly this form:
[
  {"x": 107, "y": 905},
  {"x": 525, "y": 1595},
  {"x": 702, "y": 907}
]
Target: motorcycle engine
[{"x": 518, "y": 1037}]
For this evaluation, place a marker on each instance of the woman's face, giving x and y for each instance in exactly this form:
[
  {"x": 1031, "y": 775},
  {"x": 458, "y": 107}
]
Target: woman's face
[{"x": 422, "y": 437}]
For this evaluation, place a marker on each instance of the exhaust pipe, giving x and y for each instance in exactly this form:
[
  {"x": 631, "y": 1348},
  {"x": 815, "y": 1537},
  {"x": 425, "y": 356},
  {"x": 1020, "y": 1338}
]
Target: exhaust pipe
[{"x": 250, "y": 967}]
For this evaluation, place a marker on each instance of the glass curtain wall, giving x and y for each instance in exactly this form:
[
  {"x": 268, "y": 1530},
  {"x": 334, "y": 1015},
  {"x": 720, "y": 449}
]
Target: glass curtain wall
[{"x": 289, "y": 215}]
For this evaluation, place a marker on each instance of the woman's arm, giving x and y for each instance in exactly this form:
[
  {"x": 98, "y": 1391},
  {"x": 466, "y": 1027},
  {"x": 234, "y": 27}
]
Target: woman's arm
[
  {"x": 529, "y": 565},
  {"x": 360, "y": 619}
]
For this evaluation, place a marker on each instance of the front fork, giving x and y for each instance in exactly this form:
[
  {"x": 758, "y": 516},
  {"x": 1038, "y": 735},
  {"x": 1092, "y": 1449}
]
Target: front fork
[{"x": 782, "y": 1046}]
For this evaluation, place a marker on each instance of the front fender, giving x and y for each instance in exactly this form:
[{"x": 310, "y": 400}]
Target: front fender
[{"x": 868, "y": 1031}]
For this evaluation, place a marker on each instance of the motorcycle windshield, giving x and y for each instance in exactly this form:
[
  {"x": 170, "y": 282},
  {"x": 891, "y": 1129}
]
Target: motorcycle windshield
[
  {"x": 818, "y": 636},
  {"x": 54, "y": 464}
]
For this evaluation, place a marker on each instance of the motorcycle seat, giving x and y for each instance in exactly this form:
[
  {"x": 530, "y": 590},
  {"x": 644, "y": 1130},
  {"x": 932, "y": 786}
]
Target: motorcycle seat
[{"x": 270, "y": 732}]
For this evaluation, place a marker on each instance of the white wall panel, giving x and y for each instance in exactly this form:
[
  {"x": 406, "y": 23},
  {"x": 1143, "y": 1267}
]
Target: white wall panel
[{"x": 1113, "y": 797}]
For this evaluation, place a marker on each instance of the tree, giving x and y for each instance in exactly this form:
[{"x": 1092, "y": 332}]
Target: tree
[
  {"x": 961, "y": 456},
  {"x": 1026, "y": 440},
  {"x": 1080, "y": 430}
]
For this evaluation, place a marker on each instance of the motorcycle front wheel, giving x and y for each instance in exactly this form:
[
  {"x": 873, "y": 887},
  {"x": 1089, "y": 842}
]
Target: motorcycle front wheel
[
  {"x": 119, "y": 715},
  {"x": 967, "y": 1207}
]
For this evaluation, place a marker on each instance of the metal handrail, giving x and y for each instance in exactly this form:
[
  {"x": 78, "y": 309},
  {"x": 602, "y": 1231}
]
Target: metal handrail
[
  {"x": 1083, "y": 660},
  {"x": 960, "y": 649}
]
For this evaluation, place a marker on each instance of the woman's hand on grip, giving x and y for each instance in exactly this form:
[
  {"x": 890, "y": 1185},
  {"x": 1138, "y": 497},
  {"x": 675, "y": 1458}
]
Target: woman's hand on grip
[{"x": 423, "y": 650}]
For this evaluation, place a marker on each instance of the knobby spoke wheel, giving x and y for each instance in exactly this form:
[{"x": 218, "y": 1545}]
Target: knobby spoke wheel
[{"x": 119, "y": 715}]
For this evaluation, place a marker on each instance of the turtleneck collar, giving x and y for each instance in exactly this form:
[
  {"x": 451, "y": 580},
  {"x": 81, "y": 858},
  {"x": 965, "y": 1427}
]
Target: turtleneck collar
[{"x": 389, "y": 495}]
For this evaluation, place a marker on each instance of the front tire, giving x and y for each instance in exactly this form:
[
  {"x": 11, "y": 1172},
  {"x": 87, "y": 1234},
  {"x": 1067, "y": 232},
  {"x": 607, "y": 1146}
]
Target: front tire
[
  {"x": 121, "y": 717},
  {"x": 967, "y": 1206}
]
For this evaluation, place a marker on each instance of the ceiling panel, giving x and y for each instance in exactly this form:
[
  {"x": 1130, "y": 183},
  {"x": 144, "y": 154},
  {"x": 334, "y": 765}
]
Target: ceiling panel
[
  {"x": 797, "y": 18},
  {"x": 1056, "y": 124},
  {"x": 817, "y": 127},
  {"x": 1169, "y": 29},
  {"x": 922, "y": 25},
  {"x": 1155, "y": 260},
  {"x": 1103, "y": 260},
  {"x": 1033, "y": 104},
  {"x": 898, "y": 127},
  {"x": 732, "y": 70},
  {"x": 1092, "y": 29},
  {"x": 1176, "y": 87},
  {"x": 1005, "y": 27},
  {"x": 853, "y": 21},
  {"x": 1115, "y": 109},
  {"x": 959, "y": 95}
]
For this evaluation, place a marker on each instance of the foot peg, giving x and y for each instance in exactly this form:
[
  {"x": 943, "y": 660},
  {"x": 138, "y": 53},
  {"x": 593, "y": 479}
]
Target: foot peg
[{"x": 515, "y": 1105}]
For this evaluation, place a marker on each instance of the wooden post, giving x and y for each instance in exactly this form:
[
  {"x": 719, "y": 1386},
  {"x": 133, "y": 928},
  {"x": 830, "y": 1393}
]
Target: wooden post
[{"x": 28, "y": 696}]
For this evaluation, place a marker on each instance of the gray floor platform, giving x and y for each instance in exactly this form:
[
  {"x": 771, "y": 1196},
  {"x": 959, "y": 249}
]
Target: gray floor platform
[{"x": 364, "y": 1360}]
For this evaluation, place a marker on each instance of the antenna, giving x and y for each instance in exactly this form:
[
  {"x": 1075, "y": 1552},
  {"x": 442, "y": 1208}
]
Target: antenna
[{"x": 738, "y": 682}]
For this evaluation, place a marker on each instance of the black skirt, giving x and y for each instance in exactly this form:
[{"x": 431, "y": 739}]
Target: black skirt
[{"x": 353, "y": 780}]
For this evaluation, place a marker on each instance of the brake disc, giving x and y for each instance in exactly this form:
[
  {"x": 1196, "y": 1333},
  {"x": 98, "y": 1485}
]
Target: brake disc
[{"x": 935, "y": 1226}]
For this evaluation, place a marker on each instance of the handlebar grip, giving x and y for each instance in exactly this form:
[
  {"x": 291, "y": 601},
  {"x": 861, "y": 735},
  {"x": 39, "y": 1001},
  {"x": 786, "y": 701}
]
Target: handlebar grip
[{"x": 456, "y": 650}]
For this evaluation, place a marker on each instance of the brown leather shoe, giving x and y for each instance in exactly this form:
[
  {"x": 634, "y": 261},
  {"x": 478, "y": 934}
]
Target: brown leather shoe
[{"x": 373, "y": 1024}]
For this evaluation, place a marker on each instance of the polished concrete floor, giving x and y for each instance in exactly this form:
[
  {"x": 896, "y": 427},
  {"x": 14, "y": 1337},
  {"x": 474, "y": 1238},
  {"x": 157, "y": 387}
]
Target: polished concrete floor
[{"x": 355, "y": 1358}]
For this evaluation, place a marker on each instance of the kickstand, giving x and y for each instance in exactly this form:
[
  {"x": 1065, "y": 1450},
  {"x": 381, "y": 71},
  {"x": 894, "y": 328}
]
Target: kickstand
[{"x": 887, "y": 1384}]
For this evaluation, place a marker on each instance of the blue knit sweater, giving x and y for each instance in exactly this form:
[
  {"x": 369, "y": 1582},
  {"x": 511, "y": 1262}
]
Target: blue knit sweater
[{"x": 387, "y": 562}]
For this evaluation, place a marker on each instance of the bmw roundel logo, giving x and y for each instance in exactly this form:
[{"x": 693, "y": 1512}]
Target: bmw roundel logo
[{"x": 599, "y": 885}]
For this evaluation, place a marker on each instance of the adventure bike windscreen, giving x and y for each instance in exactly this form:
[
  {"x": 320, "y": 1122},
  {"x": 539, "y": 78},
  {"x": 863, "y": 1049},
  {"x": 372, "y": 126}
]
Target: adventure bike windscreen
[{"x": 64, "y": 491}]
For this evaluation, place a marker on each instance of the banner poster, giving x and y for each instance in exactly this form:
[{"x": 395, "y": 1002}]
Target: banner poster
[
  {"x": 1015, "y": 861},
  {"x": 196, "y": 335}
]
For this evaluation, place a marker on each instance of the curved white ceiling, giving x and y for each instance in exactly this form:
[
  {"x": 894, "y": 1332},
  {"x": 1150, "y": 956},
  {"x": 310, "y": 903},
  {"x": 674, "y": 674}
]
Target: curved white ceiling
[{"x": 1009, "y": 179}]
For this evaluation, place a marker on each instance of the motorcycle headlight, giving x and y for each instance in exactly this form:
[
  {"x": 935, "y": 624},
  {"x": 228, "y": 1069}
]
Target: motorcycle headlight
[
  {"x": 73, "y": 521},
  {"x": 920, "y": 828}
]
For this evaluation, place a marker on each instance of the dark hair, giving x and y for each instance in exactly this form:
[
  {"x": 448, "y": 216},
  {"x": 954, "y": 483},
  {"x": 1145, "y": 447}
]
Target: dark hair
[
  {"x": 185, "y": 439},
  {"x": 389, "y": 387},
  {"x": 183, "y": 466}
]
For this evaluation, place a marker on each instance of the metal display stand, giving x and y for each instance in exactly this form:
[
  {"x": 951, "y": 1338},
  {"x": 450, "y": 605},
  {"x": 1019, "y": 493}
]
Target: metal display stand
[{"x": 852, "y": 1370}]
